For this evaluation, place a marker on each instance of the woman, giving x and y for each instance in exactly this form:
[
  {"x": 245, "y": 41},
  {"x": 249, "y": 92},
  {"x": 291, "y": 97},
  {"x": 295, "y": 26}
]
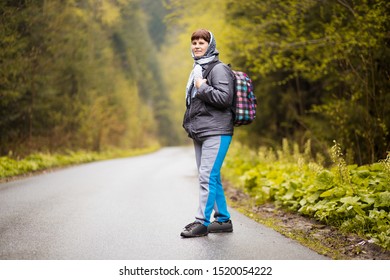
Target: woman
[{"x": 208, "y": 120}]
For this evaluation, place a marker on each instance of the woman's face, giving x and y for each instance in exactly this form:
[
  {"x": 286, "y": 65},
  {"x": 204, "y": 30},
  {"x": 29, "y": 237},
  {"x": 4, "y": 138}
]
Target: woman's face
[{"x": 199, "y": 47}]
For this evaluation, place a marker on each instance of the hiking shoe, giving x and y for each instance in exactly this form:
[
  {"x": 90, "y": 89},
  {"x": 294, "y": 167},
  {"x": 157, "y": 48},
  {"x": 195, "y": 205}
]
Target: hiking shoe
[
  {"x": 194, "y": 229},
  {"x": 216, "y": 226}
]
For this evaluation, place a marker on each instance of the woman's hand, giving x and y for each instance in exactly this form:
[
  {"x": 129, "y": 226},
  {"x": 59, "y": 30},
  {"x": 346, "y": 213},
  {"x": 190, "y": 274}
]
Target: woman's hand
[{"x": 200, "y": 82}]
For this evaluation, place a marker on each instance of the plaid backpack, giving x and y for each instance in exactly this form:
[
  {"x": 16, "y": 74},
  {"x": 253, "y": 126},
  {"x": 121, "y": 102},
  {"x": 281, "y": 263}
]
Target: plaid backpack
[{"x": 244, "y": 100}]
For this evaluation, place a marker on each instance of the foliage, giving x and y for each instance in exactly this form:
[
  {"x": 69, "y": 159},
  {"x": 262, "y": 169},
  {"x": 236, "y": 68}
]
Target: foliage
[
  {"x": 321, "y": 71},
  {"x": 354, "y": 198},
  {"x": 79, "y": 75},
  {"x": 40, "y": 161}
]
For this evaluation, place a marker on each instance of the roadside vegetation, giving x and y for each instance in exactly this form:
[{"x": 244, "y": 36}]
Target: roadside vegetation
[
  {"x": 355, "y": 199},
  {"x": 11, "y": 167}
]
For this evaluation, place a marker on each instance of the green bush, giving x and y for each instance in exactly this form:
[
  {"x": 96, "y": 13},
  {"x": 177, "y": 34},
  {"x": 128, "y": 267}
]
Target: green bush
[{"x": 354, "y": 198}]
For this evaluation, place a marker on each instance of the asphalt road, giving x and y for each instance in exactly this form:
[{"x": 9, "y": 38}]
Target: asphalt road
[{"x": 133, "y": 208}]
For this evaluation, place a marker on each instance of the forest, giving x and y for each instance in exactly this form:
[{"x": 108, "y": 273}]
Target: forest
[
  {"x": 89, "y": 74},
  {"x": 79, "y": 75}
]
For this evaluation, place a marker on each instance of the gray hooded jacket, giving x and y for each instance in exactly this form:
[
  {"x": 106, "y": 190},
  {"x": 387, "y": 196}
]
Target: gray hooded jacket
[{"x": 210, "y": 111}]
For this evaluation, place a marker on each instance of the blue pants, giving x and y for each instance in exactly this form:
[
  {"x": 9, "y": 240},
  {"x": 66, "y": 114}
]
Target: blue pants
[{"x": 210, "y": 153}]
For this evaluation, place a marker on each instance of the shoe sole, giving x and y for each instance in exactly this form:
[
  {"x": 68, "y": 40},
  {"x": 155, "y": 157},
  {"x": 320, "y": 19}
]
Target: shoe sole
[
  {"x": 190, "y": 236},
  {"x": 221, "y": 231}
]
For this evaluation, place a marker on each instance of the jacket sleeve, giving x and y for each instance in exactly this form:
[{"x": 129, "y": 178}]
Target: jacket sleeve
[{"x": 218, "y": 91}]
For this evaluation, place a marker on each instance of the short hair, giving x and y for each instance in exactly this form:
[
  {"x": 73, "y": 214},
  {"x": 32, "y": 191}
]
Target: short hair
[{"x": 201, "y": 34}]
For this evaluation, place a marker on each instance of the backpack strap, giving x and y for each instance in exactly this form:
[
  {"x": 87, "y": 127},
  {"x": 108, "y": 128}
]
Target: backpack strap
[
  {"x": 208, "y": 70},
  {"x": 210, "y": 67}
]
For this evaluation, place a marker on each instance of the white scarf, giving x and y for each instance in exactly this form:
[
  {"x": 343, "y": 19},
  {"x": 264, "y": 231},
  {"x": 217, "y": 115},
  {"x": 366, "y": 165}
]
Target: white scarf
[{"x": 196, "y": 74}]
